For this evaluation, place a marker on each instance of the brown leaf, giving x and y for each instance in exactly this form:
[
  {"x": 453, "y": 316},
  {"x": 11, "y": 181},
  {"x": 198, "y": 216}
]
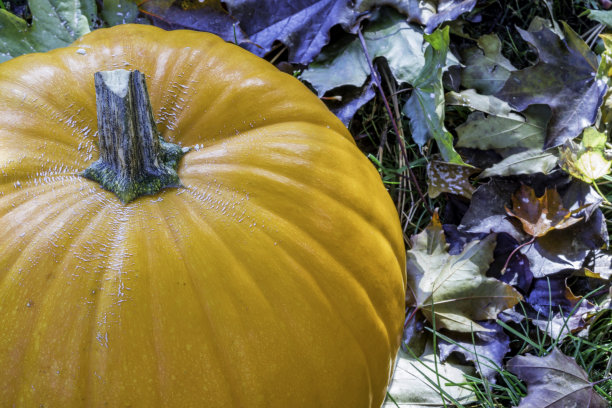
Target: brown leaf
[
  {"x": 443, "y": 177},
  {"x": 539, "y": 215}
]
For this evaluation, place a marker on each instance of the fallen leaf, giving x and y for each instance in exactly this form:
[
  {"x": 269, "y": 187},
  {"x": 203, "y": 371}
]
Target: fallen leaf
[
  {"x": 526, "y": 130},
  {"x": 601, "y": 16},
  {"x": 554, "y": 381},
  {"x": 55, "y": 23},
  {"x": 586, "y": 161},
  {"x": 487, "y": 210},
  {"x": 539, "y": 215},
  {"x": 415, "y": 382},
  {"x": 486, "y": 69},
  {"x": 302, "y": 25},
  {"x": 388, "y": 35},
  {"x": 564, "y": 78},
  {"x": 560, "y": 250},
  {"x": 351, "y": 101},
  {"x": 527, "y": 162},
  {"x": 452, "y": 291},
  {"x": 443, "y": 177},
  {"x": 485, "y": 349},
  {"x": 209, "y": 17},
  {"x": 557, "y": 311},
  {"x": 425, "y": 107},
  {"x": 448, "y": 10},
  {"x": 116, "y": 12},
  {"x": 479, "y": 102}
]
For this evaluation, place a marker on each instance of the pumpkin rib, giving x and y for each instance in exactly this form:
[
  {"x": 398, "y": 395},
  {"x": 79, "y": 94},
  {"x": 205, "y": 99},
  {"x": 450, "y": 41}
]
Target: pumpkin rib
[
  {"x": 326, "y": 298},
  {"x": 100, "y": 310},
  {"x": 227, "y": 368},
  {"x": 57, "y": 279},
  {"x": 168, "y": 110},
  {"x": 381, "y": 233},
  {"x": 321, "y": 249},
  {"x": 273, "y": 177},
  {"x": 196, "y": 162},
  {"x": 24, "y": 193},
  {"x": 156, "y": 322}
]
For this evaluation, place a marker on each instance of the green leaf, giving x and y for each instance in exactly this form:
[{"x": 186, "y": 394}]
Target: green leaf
[
  {"x": 486, "y": 69},
  {"x": 117, "y": 12},
  {"x": 511, "y": 131},
  {"x": 587, "y": 161},
  {"x": 484, "y": 103},
  {"x": 388, "y": 36},
  {"x": 421, "y": 381},
  {"x": 601, "y": 16},
  {"x": 453, "y": 290},
  {"x": 527, "y": 162},
  {"x": 425, "y": 108},
  {"x": 55, "y": 23}
]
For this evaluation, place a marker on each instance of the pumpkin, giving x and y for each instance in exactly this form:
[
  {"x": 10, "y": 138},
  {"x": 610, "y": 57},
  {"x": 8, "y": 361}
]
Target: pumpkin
[{"x": 271, "y": 274}]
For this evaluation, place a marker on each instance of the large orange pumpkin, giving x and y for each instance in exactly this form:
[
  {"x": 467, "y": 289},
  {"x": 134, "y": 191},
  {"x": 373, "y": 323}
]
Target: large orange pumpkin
[{"x": 272, "y": 277}]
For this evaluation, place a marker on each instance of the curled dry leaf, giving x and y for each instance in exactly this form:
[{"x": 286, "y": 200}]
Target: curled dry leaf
[
  {"x": 443, "y": 177},
  {"x": 539, "y": 215}
]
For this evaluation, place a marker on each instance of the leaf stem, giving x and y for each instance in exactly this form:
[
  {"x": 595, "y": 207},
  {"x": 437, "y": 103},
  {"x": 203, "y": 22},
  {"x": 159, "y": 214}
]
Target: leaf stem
[
  {"x": 600, "y": 193},
  {"x": 531, "y": 241}
]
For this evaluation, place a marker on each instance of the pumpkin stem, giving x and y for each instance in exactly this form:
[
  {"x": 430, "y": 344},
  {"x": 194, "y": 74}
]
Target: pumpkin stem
[{"x": 134, "y": 158}]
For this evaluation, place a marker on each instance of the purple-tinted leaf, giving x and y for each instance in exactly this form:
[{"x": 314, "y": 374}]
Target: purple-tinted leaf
[
  {"x": 564, "y": 78},
  {"x": 566, "y": 249},
  {"x": 556, "y": 310},
  {"x": 554, "y": 381},
  {"x": 486, "y": 350},
  {"x": 302, "y": 25},
  {"x": 517, "y": 272},
  {"x": 486, "y": 69},
  {"x": 352, "y": 101},
  {"x": 448, "y": 10},
  {"x": 456, "y": 239},
  {"x": 207, "y": 19},
  {"x": 550, "y": 295},
  {"x": 487, "y": 212}
]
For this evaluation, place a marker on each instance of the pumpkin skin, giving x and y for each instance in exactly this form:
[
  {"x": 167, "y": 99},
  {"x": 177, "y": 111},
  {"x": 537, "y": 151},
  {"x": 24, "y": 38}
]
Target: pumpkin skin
[{"x": 273, "y": 278}]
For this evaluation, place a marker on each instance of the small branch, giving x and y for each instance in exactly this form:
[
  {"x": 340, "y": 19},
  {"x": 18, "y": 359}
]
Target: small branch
[{"x": 376, "y": 79}]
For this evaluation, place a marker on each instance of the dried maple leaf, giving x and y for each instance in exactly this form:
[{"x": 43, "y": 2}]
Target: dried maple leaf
[
  {"x": 539, "y": 215},
  {"x": 554, "y": 381},
  {"x": 453, "y": 290}
]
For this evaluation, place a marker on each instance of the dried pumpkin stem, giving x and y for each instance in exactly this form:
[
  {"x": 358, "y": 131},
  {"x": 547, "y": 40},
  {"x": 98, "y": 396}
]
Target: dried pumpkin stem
[{"x": 134, "y": 158}]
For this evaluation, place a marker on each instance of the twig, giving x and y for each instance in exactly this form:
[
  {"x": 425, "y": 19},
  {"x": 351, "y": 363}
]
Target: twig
[{"x": 391, "y": 117}]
